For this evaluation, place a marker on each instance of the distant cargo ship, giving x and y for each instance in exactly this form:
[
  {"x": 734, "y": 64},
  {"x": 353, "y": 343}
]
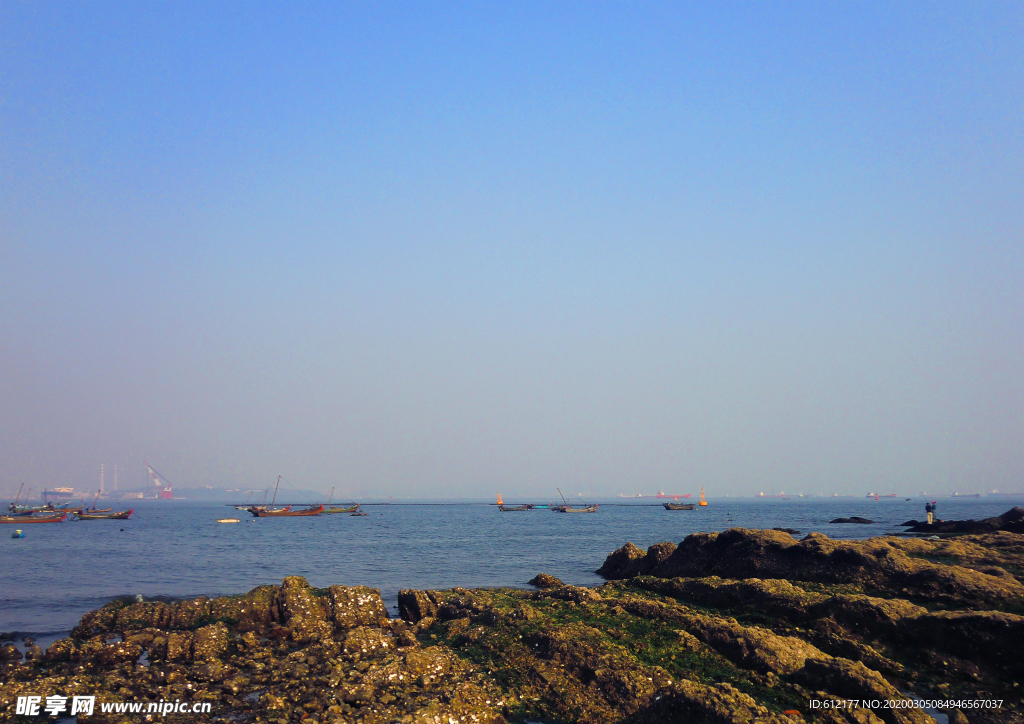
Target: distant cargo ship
[
  {"x": 780, "y": 495},
  {"x": 876, "y": 496},
  {"x": 661, "y": 494}
]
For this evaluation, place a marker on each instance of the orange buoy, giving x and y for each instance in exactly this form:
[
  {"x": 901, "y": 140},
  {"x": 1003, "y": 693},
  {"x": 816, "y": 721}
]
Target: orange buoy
[
  {"x": 500, "y": 501},
  {"x": 702, "y": 501}
]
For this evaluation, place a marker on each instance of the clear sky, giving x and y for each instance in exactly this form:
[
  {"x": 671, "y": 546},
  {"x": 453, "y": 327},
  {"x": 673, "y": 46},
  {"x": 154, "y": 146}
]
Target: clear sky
[{"x": 451, "y": 249}]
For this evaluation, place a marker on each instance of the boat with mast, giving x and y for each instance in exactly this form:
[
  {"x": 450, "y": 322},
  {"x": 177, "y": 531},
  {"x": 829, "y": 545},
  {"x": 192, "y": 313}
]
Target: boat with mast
[
  {"x": 262, "y": 508},
  {"x": 333, "y": 509},
  {"x": 93, "y": 510},
  {"x": 566, "y": 508},
  {"x": 284, "y": 512},
  {"x": 16, "y": 510}
]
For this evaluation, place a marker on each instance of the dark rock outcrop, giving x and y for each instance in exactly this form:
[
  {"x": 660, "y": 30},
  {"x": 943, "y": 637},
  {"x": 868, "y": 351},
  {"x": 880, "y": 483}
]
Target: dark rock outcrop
[
  {"x": 852, "y": 519},
  {"x": 1012, "y": 521},
  {"x": 740, "y": 553},
  {"x": 543, "y": 580}
]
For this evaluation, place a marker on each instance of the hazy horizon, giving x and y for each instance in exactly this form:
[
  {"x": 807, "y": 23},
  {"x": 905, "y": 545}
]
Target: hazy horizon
[{"x": 436, "y": 251}]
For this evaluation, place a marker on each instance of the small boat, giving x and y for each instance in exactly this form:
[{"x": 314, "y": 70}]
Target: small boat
[
  {"x": 93, "y": 510},
  {"x": 258, "y": 510},
  {"x": 357, "y": 515},
  {"x": 228, "y": 520},
  {"x": 334, "y": 509},
  {"x": 40, "y": 519},
  {"x": 514, "y": 508},
  {"x": 261, "y": 511},
  {"x": 18, "y": 534},
  {"x": 566, "y": 508},
  {"x": 119, "y": 515},
  {"x": 679, "y": 506},
  {"x": 288, "y": 513}
]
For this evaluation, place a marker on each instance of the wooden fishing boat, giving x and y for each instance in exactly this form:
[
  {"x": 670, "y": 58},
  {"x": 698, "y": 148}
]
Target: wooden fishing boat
[
  {"x": 334, "y": 509},
  {"x": 41, "y": 519},
  {"x": 566, "y": 508},
  {"x": 258, "y": 510},
  {"x": 262, "y": 511},
  {"x": 289, "y": 513},
  {"x": 514, "y": 508},
  {"x": 228, "y": 520},
  {"x": 680, "y": 506},
  {"x": 119, "y": 515},
  {"x": 92, "y": 511}
]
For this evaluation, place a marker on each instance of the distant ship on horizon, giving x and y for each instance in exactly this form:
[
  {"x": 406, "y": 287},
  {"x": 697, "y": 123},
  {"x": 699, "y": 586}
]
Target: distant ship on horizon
[{"x": 661, "y": 494}]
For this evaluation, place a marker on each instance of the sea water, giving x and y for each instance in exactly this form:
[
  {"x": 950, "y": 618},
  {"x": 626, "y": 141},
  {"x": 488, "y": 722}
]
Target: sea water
[{"x": 176, "y": 549}]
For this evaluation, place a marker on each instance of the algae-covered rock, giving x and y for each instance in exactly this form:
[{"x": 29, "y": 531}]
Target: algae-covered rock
[
  {"x": 853, "y": 680},
  {"x": 414, "y": 606},
  {"x": 739, "y": 553},
  {"x": 543, "y": 580},
  {"x": 623, "y": 563}
]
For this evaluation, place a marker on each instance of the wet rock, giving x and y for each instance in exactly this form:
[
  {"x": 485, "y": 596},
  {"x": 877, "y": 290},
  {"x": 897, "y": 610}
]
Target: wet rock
[
  {"x": 543, "y": 580},
  {"x": 367, "y": 642},
  {"x": 1012, "y": 521},
  {"x": 118, "y": 653},
  {"x": 576, "y": 594},
  {"x": 690, "y": 701},
  {"x": 791, "y": 531},
  {"x": 853, "y": 680},
  {"x": 741, "y": 553},
  {"x": 356, "y": 606},
  {"x": 623, "y": 563},
  {"x": 210, "y": 642},
  {"x": 60, "y": 650},
  {"x": 179, "y": 646},
  {"x": 34, "y": 653},
  {"x": 414, "y": 606},
  {"x": 10, "y": 652},
  {"x": 852, "y": 519}
]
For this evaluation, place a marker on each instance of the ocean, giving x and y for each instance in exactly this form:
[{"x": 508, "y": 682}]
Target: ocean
[{"x": 176, "y": 549}]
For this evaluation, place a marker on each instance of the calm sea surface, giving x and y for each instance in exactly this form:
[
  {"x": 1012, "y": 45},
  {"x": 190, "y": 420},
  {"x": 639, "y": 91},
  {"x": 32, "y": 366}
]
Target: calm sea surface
[{"x": 176, "y": 548}]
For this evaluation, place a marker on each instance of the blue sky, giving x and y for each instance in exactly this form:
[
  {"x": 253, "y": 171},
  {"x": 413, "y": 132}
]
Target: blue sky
[{"x": 446, "y": 249}]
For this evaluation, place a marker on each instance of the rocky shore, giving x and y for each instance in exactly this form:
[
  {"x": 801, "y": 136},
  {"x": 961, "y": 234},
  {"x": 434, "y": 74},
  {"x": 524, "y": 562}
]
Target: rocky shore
[{"x": 739, "y": 626}]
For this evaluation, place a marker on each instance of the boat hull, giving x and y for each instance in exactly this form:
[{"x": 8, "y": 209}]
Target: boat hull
[
  {"x": 289, "y": 513},
  {"x": 25, "y": 521},
  {"x": 121, "y": 515},
  {"x": 679, "y": 506},
  {"x": 350, "y": 509}
]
